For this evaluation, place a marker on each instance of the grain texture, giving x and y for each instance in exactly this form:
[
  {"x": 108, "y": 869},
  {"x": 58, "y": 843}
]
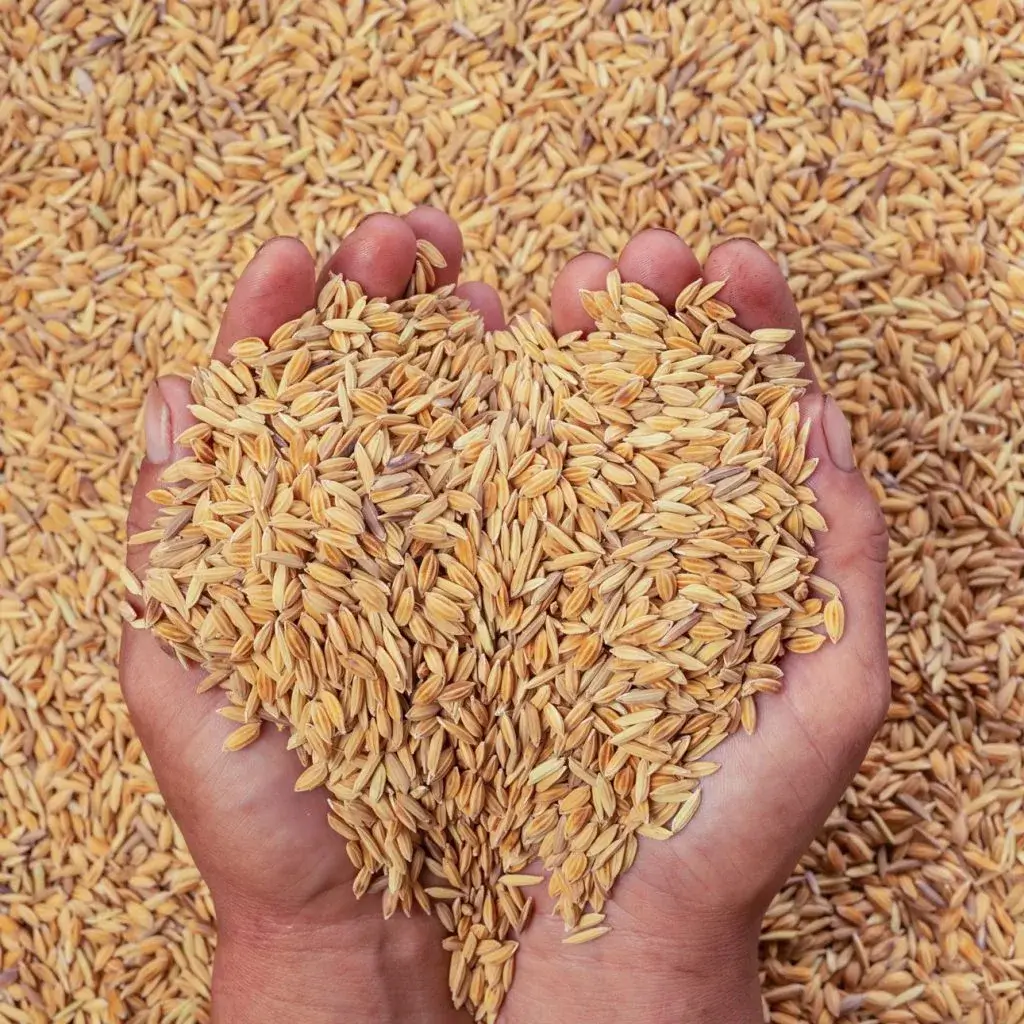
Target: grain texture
[{"x": 504, "y": 592}]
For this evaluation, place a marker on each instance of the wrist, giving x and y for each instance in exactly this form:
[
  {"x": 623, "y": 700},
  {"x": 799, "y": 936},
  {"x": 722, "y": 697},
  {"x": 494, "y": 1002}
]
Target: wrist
[
  {"x": 713, "y": 982},
  {"x": 653, "y": 967},
  {"x": 316, "y": 967},
  {"x": 729, "y": 995},
  {"x": 706, "y": 957},
  {"x": 264, "y": 980}
]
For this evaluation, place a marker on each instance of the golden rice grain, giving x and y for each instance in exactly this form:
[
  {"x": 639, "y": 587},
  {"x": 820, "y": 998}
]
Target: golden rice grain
[
  {"x": 243, "y": 736},
  {"x": 835, "y": 617},
  {"x": 664, "y": 605},
  {"x": 577, "y": 938}
]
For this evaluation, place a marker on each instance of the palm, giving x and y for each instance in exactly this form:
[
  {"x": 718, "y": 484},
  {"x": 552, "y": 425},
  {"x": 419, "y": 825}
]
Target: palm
[
  {"x": 712, "y": 882},
  {"x": 245, "y": 814},
  {"x": 259, "y": 844},
  {"x": 707, "y": 888}
]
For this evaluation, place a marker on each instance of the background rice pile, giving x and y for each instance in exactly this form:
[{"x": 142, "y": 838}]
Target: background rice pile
[{"x": 877, "y": 148}]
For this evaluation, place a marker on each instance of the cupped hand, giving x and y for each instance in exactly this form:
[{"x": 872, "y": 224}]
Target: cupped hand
[
  {"x": 293, "y": 940},
  {"x": 685, "y": 917}
]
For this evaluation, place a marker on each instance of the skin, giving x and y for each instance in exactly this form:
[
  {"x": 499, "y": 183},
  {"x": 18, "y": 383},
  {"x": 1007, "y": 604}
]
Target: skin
[{"x": 685, "y": 917}]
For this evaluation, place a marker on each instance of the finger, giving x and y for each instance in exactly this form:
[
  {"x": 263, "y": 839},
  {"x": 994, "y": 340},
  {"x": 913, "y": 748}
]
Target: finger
[
  {"x": 435, "y": 226},
  {"x": 165, "y": 416},
  {"x": 276, "y": 286},
  {"x": 852, "y": 552},
  {"x": 486, "y": 301},
  {"x": 661, "y": 261},
  {"x": 589, "y": 272},
  {"x": 757, "y": 290},
  {"x": 379, "y": 255}
]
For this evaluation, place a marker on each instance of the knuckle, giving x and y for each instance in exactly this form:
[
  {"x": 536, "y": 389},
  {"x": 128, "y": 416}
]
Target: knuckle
[
  {"x": 879, "y": 697},
  {"x": 137, "y": 519},
  {"x": 864, "y": 515},
  {"x": 874, "y": 527},
  {"x": 862, "y": 544}
]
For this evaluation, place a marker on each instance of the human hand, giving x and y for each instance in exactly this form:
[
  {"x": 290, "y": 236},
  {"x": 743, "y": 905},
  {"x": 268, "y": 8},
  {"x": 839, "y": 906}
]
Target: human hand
[
  {"x": 685, "y": 917},
  {"x": 290, "y": 929}
]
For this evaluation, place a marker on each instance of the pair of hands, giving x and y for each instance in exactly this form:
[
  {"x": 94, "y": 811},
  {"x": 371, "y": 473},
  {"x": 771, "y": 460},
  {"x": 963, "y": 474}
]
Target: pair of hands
[{"x": 293, "y": 941}]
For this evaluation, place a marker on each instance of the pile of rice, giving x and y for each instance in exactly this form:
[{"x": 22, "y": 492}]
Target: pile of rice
[{"x": 505, "y": 593}]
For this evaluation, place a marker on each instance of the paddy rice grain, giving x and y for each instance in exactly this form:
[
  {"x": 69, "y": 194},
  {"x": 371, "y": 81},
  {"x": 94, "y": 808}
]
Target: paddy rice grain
[{"x": 505, "y": 592}]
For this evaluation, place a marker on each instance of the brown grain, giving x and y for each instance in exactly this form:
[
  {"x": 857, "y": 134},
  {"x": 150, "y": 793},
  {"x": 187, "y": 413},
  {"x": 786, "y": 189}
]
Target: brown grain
[{"x": 633, "y": 526}]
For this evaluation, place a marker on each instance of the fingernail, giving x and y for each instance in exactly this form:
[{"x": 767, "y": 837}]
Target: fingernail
[
  {"x": 837, "y": 435},
  {"x": 158, "y": 426}
]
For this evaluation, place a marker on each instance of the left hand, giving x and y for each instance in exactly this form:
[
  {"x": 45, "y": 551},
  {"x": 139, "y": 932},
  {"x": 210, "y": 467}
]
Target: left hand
[{"x": 685, "y": 918}]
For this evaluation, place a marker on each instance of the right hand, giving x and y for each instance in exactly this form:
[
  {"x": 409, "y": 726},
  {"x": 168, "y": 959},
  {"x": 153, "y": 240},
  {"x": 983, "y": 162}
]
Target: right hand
[
  {"x": 686, "y": 917},
  {"x": 289, "y": 928}
]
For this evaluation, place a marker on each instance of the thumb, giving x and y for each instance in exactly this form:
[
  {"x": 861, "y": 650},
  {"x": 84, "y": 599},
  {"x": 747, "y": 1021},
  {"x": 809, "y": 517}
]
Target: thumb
[
  {"x": 859, "y": 541},
  {"x": 165, "y": 416},
  {"x": 851, "y": 555},
  {"x": 156, "y": 686}
]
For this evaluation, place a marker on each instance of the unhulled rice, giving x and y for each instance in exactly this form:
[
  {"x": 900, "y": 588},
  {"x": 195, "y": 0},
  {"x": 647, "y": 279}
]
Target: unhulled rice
[
  {"x": 505, "y": 592},
  {"x": 875, "y": 149}
]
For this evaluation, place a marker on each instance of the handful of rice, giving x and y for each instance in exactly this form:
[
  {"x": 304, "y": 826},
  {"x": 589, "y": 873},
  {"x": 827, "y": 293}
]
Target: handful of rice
[{"x": 505, "y": 592}]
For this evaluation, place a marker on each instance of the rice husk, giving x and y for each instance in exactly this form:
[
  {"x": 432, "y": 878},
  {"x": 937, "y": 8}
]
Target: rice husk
[
  {"x": 505, "y": 592},
  {"x": 874, "y": 150}
]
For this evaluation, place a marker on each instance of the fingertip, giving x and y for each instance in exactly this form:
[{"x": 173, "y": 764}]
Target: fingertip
[
  {"x": 486, "y": 301},
  {"x": 838, "y": 438},
  {"x": 177, "y": 393},
  {"x": 754, "y": 286},
  {"x": 435, "y": 226},
  {"x": 165, "y": 416},
  {"x": 280, "y": 248},
  {"x": 379, "y": 255},
  {"x": 276, "y": 286},
  {"x": 659, "y": 260},
  {"x": 587, "y": 272}
]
